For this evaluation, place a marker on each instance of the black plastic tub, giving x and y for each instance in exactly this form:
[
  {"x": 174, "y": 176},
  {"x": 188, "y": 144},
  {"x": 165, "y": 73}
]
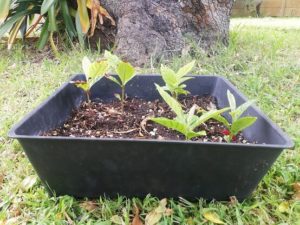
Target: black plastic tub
[{"x": 91, "y": 167}]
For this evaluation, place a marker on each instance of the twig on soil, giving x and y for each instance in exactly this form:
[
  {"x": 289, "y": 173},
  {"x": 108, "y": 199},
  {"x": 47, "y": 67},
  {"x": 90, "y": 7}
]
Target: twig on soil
[
  {"x": 144, "y": 123},
  {"x": 126, "y": 131}
]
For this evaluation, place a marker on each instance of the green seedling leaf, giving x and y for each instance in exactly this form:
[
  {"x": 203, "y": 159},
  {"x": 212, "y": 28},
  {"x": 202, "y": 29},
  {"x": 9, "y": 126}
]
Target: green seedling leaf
[
  {"x": 183, "y": 79},
  {"x": 168, "y": 76},
  {"x": 185, "y": 69},
  {"x": 125, "y": 71},
  {"x": 93, "y": 72},
  {"x": 192, "y": 134},
  {"x": 238, "y": 124},
  {"x": 97, "y": 70},
  {"x": 206, "y": 116},
  {"x": 184, "y": 123},
  {"x": 171, "y": 124},
  {"x": 180, "y": 91},
  {"x": 241, "y": 109},
  {"x": 231, "y": 100},
  {"x": 223, "y": 120},
  {"x": 82, "y": 85},
  {"x": 174, "y": 81},
  {"x": 241, "y": 124},
  {"x": 115, "y": 80},
  {"x": 174, "y": 105},
  {"x": 86, "y": 65}
]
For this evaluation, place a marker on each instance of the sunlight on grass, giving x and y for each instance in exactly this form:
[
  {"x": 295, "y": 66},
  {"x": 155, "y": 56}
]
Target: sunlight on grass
[{"x": 267, "y": 22}]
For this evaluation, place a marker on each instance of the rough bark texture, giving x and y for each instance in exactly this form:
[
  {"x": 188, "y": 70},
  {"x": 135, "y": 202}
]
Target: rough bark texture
[{"x": 150, "y": 28}]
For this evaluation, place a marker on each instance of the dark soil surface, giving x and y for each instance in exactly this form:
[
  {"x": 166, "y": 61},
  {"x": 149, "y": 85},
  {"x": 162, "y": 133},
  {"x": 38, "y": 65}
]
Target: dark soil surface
[{"x": 106, "y": 120}]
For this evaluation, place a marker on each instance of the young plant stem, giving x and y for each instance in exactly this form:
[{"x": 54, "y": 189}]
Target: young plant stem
[
  {"x": 174, "y": 95},
  {"x": 123, "y": 97},
  {"x": 88, "y": 99}
]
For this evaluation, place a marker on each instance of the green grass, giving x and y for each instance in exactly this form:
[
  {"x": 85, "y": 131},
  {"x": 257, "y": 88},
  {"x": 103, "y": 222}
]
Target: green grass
[{"x": 263, "y": 63}]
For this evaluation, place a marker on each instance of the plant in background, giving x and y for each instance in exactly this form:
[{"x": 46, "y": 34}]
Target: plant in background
[
  {"x": 56, "y": 16},
  {"x": 238, "y": 123},
  {"x": 185, "y": 123},
  {"x": 93, "y": 72},
  {"x": 174, "y": 81}
]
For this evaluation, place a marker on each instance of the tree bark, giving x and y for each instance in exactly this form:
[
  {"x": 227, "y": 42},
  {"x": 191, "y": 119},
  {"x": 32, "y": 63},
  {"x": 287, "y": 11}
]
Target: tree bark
[{"x": 151, "y": 28}]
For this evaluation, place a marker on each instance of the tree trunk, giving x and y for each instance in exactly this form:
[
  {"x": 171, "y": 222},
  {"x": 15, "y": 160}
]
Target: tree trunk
[{"x": 150, "y": 28}]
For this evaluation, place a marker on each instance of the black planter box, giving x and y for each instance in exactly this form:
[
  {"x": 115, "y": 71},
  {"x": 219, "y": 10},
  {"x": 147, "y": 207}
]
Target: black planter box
[{"x": 90, "y": 167}]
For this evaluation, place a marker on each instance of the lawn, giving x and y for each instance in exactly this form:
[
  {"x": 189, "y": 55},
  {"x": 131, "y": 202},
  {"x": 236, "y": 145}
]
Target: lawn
[{"x": 263, "y": 62}]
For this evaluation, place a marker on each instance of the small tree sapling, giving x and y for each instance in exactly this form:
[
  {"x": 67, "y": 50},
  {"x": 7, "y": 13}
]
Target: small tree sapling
[
  {"x": 174, "y": 80},
  {"x": 184, "y": 123},
  {"x": 238, "y": 123},
  {"x": 125, "y": 72},
  {"x": 93, "y": 72}
]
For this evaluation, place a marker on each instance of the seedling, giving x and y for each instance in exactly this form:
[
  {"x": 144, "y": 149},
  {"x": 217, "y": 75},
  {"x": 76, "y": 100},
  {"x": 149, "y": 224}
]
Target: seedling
[
  {"x": 93, "y": 72},
  {"x": 238, "y": 123},
  {"x": 174, "y": 81},
  {"x": 125, "y": 72},
  {"x": 184, "y": 123}
]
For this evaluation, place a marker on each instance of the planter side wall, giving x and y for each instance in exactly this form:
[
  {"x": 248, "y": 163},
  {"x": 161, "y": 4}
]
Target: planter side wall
[{"x": 134, "y": 169}]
